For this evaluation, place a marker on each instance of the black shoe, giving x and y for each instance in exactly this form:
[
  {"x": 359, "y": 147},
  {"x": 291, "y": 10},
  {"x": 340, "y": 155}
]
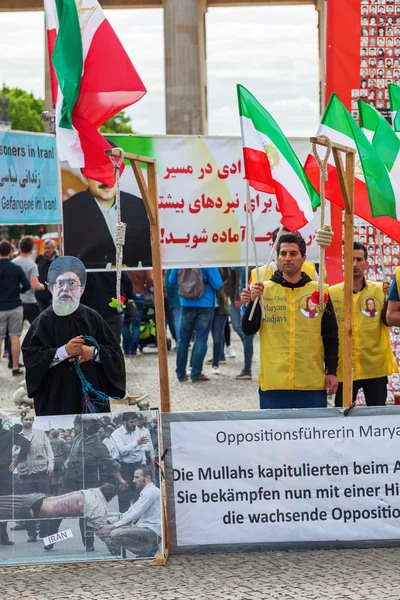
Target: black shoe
[
  {"x": 49, "y": 547},
  {"x": 7, "y": 543},
  {"x": 89, "y": 548},
  {"x": 17, "y": 372},
  {"x": 32, "y": 538},
  {"x": 18, "y": 527}
]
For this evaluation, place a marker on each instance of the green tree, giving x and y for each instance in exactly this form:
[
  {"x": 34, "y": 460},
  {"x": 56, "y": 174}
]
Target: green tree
[
  {"x": 120, "y": 123},
  {"x": 24, "y": 110}
]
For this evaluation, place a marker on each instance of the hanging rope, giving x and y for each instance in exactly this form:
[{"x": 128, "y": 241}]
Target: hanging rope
[
  {"x": 120, "y": 228},
  {"x": 324, "y": 233},
  {"x": 93, "y": 401}
]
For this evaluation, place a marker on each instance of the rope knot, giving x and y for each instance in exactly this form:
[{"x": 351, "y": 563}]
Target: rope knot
[
  {"x": 120, "y": 231},
  {"x": 324, "y": 236}
]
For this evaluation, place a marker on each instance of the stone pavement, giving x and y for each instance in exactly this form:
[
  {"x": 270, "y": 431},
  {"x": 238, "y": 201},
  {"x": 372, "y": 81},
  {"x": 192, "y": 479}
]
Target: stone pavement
[
  {"x": 314, "y": 575},
  {"x": 310, "y": 575}
]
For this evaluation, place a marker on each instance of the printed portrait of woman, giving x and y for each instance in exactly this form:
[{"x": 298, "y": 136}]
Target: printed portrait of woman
[
  {"x": 310, "y": 310},
  {"x": 370, "y": 308}
]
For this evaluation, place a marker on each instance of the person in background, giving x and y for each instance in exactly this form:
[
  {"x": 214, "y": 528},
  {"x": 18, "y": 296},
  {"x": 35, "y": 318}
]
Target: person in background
[
  {"x": 234, "y": 287},
  {"x": 29, "y": 302},
  {"x": 99, "y": 290},
  {"x": 43, "y": 261},
  {"x": 196, "y": 317},
  {"x": 144, "y": 432},
  {"x": 142, "y": 282},
  {"x": 36, "y": 471},
  {"x": 220, "y": 318},
  {"x": 172, "y": 299},
  {"x": 13, "y": 282},
  {"x": 60, "y": 453}
]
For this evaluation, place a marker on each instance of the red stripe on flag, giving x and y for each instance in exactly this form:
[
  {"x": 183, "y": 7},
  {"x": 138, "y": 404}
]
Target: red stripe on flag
[
  {"x": 110, "y": 82},
  {"x": 258, "y": 171},
  {"x": 51, "y": 41},
  {"x": 292, "y": 217}
]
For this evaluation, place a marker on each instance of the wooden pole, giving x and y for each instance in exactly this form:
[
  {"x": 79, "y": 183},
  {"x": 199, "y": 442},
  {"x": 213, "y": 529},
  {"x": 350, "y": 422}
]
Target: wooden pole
[
  {"x": 346, "y": 179},
  {"x": 150, "y": 198}
]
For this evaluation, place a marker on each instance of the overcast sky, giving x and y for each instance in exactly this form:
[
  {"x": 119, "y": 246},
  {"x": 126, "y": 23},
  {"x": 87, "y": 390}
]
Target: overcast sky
[{"x": 273, "y": 51}]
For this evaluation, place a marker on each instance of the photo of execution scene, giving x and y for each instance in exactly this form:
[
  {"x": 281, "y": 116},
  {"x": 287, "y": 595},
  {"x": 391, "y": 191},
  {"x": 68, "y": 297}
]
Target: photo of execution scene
[{"x": 79, "y": 487}]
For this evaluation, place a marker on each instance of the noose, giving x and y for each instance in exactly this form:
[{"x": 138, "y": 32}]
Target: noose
[
  {"x": 120, "y": 228},
  {"x": 93, "y": 401},
  {"x": 324, "y": 233}
]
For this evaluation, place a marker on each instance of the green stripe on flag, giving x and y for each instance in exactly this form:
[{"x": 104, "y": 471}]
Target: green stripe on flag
[
  {"x": 385, "y": 141},
  {"x": 68, "y": 58},
  {"x": 380, "y": 191},
  {"x": 394, "y": 97},
  {"x": 263, "y": 122}
]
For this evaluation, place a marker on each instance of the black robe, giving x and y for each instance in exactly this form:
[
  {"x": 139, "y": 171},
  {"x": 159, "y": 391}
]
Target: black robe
[{"x": 57, "y": 390}]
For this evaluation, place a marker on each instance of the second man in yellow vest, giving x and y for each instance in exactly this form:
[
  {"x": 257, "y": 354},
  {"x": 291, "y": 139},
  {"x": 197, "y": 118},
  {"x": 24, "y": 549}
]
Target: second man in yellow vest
[{"x": 373, "y": 359}]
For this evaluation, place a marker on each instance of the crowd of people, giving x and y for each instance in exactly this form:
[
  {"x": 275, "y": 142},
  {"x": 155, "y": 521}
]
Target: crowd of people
[{"x": 76, "y": 471}]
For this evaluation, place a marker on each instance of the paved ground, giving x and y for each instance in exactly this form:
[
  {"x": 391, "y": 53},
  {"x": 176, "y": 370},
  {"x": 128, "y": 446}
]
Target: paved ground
[{"x": 312, "y": 575}]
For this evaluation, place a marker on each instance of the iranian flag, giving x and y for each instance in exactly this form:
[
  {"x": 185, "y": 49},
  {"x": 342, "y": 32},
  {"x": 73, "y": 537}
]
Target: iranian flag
[
  {"x": 375, "y": 192},
  {"x": 382, "y": 137},
  {"x": 95, "y": 80},
  {"x": 394, "y": 98},
  {"x": 272, "y": 166}
]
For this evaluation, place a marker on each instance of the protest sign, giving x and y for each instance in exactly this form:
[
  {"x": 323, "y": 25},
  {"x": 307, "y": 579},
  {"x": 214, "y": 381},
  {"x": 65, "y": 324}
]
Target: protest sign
[
  {"x": 29, "y": 179},
  {"x": 82, "y": 486},
  {"x": 202, "y": 206},
  {"x": 239, "y": 479}
]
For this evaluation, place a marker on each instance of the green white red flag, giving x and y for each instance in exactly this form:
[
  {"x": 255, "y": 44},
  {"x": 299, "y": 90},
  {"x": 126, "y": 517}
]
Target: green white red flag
[
  {"x": 95, "y": 80},
  {"x": 271, "y": 164},
  {"x": 376, "y": 195},
  {"x": 382, "y": 137}
]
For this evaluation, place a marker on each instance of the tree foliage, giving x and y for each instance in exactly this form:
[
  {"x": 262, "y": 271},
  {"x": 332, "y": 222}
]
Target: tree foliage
[
  {"x": 120, "y": 123},
  {"x": 24, "y": 110}
]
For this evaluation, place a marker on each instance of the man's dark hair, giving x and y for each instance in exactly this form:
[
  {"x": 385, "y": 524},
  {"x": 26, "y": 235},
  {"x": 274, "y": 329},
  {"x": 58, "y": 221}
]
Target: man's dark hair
[
  {"x": 5, "y": 248},
  {"x": 108, "y": 490},
  {"x": 276, "y": 231},
  {"x": 146, "y": 471},
  {"x": 26, "y": 244},
  {"x": 292, "y": 238},
  {"x": 55, "y": 433},
  {"x": 358, "y": 246},
  {"x": 127, "y": 416}
]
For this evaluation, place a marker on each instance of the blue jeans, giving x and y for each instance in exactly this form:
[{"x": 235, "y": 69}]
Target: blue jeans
[
  {"x": 218, "y": 335},
  {"x": 196, "y": 320},
  {"x": 293, "y": 399},
  {"x": 131, "y": 329},
  {"x": 177, "y": 319},
  {"x": 247, "y": 340}
]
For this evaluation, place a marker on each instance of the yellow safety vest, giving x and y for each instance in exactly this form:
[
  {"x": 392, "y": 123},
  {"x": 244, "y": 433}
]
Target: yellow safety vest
[
  {"x": 307, "y": 267},
  {"x": 372, "y": 351},
  {"x": 291, "y": 348}
]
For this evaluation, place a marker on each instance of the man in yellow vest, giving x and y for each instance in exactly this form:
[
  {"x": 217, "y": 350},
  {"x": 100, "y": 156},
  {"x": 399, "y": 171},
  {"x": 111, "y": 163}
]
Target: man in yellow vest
[
  {"x": 298, "y": 344},
  {"x": 373, "y": 359},
  {"x": 307, "y": 267}
]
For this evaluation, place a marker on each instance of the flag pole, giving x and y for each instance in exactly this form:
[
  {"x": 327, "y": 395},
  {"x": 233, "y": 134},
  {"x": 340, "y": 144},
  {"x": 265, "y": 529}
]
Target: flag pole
[
  {"x": 248, "y": 206},
  {"x": 380, "y": 247},
  {"x": 247, "y": 243}
]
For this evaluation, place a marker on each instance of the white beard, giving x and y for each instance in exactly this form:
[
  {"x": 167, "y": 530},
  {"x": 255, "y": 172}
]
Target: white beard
[{"x": 63, "y": 308}]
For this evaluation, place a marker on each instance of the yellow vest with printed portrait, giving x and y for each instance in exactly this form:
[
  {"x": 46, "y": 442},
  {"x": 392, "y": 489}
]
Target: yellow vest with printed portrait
[
  {"x": 291, "y": 348},
  {"x": 372, "y": 350},
  {"x": 307, "y": 267}
]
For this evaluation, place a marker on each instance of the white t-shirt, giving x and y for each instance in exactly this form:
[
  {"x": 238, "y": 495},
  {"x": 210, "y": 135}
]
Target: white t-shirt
[{"x": 30, "y": 269}]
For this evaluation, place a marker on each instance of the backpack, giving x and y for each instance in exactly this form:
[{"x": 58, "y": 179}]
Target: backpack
[{"x": 190, "y": 283}]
